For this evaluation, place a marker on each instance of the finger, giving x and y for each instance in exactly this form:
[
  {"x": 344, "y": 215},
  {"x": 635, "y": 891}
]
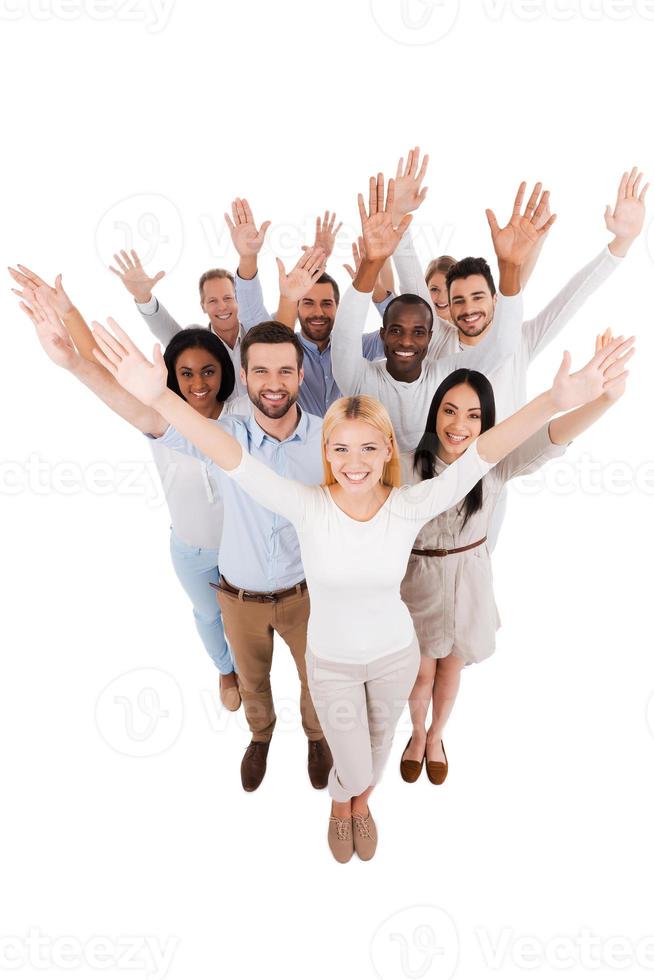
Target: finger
[
  {"x": 548, "y": 224},
  {"x": 362, "y": 208},
  {"x": 398, "y": 172},
  {"x": 390, "y": 196},
  {"x": 105, "y": 341},
  {"x": 30, "y": 313},
  {"x": 372, "y": 196},
  {"x": 337, "y": 229},
  {"x": 622, "y": 188},
  {"x": 615, "y": 382},
  {"x": 533, "y": 200},
  {"x": 380, "y": 192},
  {"x": 492, "y": 221},
  {"x": 616, "y": 349},
  {"x": 281, "y": 268},
  {"x": 126, "y": 259},
  {"x": 120, "y": 263},
  {"x": 422, "y": 195},
  {"x": 636, "y": 185},
  {"x": 423, "y": 169},
  {"x": 517, "y": 204},
  {"x": 409, "y": 164},
  {"x": 240, "y": 211},
  {"x": 135, "y": 258},
  {"x": 122, "y": 337},
  {"x": 541, "y": 206},
  {"x": 158, "y": 358},
  {"x": 18, "y": 277},
  {"x": 158, "y": 276},
  {"x": 104, "y": 361},
  {"x": 404, "y": 224},
  {"x": 230, "y": 224},
  {"x": 630, "y": 182},
  {"x": 643, "y": 193},
  {"x": 350, "y": 271},
  {"x": 617, "y": 366},
  {"x": 414, "y": 162},
  {"x": 247, "y": 211},
  {"x": 32, "y": 275}
]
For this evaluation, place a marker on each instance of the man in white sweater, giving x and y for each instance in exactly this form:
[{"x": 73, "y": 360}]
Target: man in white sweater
[{"x": 415, "y": 359}]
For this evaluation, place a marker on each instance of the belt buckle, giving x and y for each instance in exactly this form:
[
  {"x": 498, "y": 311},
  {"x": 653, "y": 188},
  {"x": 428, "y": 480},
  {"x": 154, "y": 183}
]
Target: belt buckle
[{"x": 441, "y": 552}]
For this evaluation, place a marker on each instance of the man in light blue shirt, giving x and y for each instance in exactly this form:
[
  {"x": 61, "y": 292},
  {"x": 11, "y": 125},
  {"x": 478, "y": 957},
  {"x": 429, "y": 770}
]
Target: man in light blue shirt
[{"x": 262, "y": 588}]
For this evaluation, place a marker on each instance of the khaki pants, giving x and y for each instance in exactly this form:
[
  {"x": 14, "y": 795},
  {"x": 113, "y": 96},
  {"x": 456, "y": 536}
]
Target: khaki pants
[
  {"x": 359, "y": 706},
  {"x": 250, "y": 628}
]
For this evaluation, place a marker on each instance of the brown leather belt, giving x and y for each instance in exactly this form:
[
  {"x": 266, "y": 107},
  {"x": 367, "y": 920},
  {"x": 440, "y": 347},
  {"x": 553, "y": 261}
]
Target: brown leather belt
[
  {"x": 442, "y": 552},
  {"x": 225, "y": 586}
]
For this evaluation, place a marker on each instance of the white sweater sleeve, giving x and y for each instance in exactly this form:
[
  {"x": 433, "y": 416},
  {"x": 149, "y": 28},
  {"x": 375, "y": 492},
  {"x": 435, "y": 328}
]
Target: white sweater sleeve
[
  {"x": 293, "y": 500},
  {"x": 542, "y": 329},
  {"x": 412, "y": 280},
  {"x": 159, "y": 320},
  {"x": 429, "y": 498},
  {"x": 349, "y": 367}
]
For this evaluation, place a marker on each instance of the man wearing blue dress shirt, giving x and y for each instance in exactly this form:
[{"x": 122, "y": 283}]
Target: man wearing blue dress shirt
[{"x": 262, "y": 589}]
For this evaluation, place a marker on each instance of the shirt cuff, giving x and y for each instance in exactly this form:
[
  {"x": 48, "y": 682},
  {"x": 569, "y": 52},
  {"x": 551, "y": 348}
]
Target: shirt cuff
[
  {"x": 148, "y": 308},
  {"x": 482, "y": 465}
]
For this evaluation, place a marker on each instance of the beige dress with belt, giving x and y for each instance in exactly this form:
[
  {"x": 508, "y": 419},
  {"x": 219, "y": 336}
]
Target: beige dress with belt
[{"x": 451, "y": 599}]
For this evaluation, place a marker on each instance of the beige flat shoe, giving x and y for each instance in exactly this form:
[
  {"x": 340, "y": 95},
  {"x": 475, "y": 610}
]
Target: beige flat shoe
[
  {"x": 339, "y": 838},
  {"x": 365, "y": 835}
]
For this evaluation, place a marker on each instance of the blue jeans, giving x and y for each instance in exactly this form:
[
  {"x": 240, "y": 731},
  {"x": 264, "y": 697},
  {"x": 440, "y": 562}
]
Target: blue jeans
[{"x": 195, "y": 568}]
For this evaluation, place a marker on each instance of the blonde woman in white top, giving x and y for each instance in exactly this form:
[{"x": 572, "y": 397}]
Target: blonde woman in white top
[{"x": 356, "y": 532}]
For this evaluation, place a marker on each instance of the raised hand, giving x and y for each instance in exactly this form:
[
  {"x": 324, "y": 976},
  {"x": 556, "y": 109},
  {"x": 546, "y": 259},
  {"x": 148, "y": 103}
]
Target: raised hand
[
  {"x": 29, "y": 281},
  {"x": 134, "y": 277},
  {"x": 381, "y": 235},
  {"x": 131, "y": 369},
  {"x": 247, "y": 238},
  {"x": 358, "y": 253},
  {"x": 618, "y": 388},
  {"x": 408, "y": 178},
  {"x": 326, "y": 233},
  {"x": 51, "y": 332},
  {"x": 626, "y": 219},
  {"x": 604, "y": 372},
  {"x": 516, "y": 240},
  {"x": 307, "y": 270}
]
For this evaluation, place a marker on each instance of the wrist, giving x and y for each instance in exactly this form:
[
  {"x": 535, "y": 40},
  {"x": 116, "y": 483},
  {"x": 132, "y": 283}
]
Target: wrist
[
  {"x": 143, "y": 297},
  {"x": 620, "y": 246},
  {"x": 247, "y": 267},
  {"x": 510, "y": 277},
  {"x": 366, "y": 277}
]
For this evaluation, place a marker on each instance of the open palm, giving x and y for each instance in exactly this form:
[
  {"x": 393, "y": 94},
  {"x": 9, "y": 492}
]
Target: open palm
[
  {"x": 50, "y": 331},
  {"x": 409, "y": 193},
  {"x": 133, "y": 276},
  {"x": 296, "y": 284},
  {"x": 628, "y": 216},
  {"x": 606, "y": 370},
  {"x": 131, "y": 369},
  {"x": 380, "y": 236},
  {"x": 516, "y": 240}
]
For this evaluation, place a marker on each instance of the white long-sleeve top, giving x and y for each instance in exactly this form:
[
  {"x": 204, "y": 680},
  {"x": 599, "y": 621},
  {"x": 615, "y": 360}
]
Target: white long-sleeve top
[
  {"x": 408, "y": 402},
  {"x": 509, "y": 377},
  {"x": 354, "y": 568},
  {"x": 191, "y": 490}
]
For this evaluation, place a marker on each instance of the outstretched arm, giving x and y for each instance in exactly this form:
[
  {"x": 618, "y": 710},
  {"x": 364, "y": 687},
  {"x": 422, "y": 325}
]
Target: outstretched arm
[
  {"x": 139, "y": 284},
  {"x": 626, "y": 223},
  {"x": 56, "y": 341},
  {"x": 146, "y": 382},
  {"x": 606, "y": 370},
  {"x": 248, "y": 241}
]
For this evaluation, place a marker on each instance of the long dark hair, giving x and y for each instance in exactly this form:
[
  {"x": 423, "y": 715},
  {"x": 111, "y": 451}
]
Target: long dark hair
[
  {"x": 424, "y": 458},
  {"x": 205, "y": 340}
]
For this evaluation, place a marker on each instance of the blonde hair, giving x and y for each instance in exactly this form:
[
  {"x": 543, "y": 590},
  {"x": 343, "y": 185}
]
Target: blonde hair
[
  {"x": 442, "y": 264},
  {"x": 363, "y": 408}
]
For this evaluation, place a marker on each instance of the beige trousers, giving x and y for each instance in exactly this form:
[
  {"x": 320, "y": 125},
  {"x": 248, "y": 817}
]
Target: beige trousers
[{"x": 359, "y": 706}]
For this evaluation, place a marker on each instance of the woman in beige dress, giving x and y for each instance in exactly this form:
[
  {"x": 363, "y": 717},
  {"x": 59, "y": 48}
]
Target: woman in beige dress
[{"x": 448, "y": 585}]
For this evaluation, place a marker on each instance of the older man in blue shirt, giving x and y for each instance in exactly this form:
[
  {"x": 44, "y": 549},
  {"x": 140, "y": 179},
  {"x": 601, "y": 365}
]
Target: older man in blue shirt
[{"x": 262, "y": 589}]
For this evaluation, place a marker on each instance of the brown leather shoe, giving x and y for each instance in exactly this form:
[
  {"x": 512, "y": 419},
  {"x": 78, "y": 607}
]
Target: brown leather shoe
[
  {"x": 320, "y": 762},
  {"x": 409, "y": 768},
  {"x": 437, "y": 771},
  {"x": 364, "y": 832},
  {"x": 229, "y": 692},
  {"x": 253, "y": 766}
]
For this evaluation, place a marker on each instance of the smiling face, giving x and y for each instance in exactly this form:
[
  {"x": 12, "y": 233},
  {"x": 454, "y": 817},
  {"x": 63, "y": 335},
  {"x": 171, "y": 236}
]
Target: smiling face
[
  {"x": 316, "y": 313},
  {"x": 438, "y": 291},
  {"x": 472, "y": 307},
  {"x": 219, "y": 303},
  {"x": 458, "y": 421},
  {"x": 357, "y": 453},
  {"x": 406, "y": 339},
  {"x": 199, "y": 376},
  {"x": 272, "y": 378}
]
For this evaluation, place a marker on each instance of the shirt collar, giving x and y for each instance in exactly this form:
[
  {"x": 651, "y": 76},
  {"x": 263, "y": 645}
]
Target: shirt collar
[
  {"x": 313, "y": 348},
  {"x": 257, "y": 435}
]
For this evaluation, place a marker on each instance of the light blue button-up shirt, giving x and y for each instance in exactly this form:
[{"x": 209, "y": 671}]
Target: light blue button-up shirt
[{"x": 259, "y": 550}]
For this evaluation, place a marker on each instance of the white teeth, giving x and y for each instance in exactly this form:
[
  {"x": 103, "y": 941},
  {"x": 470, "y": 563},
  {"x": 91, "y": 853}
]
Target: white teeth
[
  {"x": 454, "y": 438},
  {"x": 356, "y": 477},
  {"x": 200, "y": 394},
  {"x": 224, "y": 316},
  {"x": 274, "y": 398},
  {"x": 471, "y": 317},
  {"x": 402, "y": 353}
]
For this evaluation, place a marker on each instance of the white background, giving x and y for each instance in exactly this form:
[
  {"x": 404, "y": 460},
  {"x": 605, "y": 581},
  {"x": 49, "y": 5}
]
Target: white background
[{"x": 127, "y": 126}]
